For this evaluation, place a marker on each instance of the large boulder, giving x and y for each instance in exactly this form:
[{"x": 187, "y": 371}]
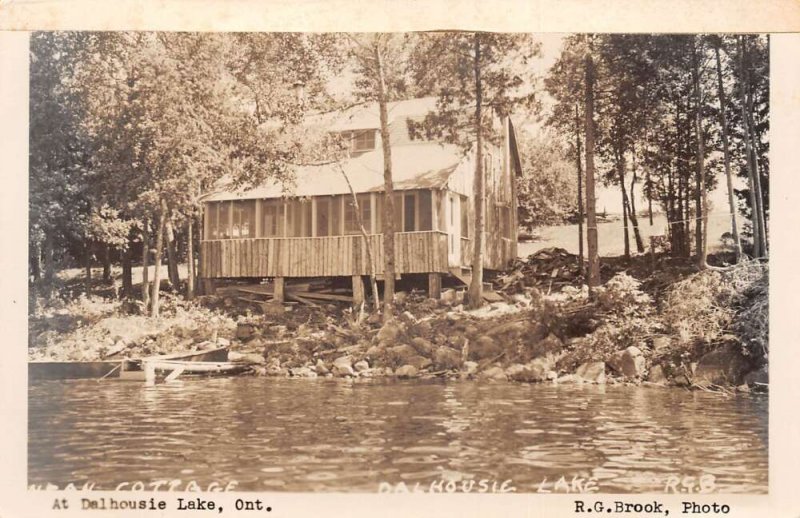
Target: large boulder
[
  {"x": 245, "y": 331},
  {"x": 470, "y": 368},
  {"x": 302, "y": 372},
  {"x": 657, "y": 375},
  {"x": 630, "y": 362},
  {"x": 758, "y": 377},
  {"x": 420, "y": 362},
  {"x": 493, "y": 373},
  {"x": 406, "y": 371},
  {"x": 423, "y": 346},
  {"x": 400, "y": 354},
  {"x": 361, "y": 366},
  {"x": 342, "y": 367},
  {"x": 592, "y": 372},
  {"x": 724, "y": 366},
  {"x": 484, "y": 347},
  {"x": 530, "y": 373},
  {"x": 390, "y": 333},
  {"x": 321, "y": 368},
  {"x": 446, "y": 358}
]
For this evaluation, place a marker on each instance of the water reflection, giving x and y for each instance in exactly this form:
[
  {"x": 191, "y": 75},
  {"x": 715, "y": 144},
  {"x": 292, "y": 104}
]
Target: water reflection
[{"x": 325, "y": 435}]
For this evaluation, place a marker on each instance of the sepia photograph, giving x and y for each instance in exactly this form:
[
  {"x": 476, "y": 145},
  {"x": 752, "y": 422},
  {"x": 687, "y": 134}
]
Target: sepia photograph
[{"x": 400, "y": 262}]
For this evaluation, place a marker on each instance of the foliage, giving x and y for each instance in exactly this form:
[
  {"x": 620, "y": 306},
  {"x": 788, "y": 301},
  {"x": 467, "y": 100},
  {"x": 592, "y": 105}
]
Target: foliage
[{"x": 546, "y": 191}]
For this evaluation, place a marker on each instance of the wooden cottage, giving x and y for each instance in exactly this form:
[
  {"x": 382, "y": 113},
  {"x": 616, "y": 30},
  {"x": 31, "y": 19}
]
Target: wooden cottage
[{"x": 310, "y": 229}]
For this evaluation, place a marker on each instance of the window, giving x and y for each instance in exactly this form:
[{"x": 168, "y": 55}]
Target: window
[
  {"x": 299, "y": 214},
  {"x": 425, "y": 210},
  {"x": 410, "y": 212},
  {"x": 350, "y": 219},
  {"x": 363, "y": 141},
  {"x": 244, "y": 219},
  {"x": 359, "y": 141},
  {"x": 323, "y": 217},
  {"x": 272, "y": 219},
  {"x": 223, "y": 228},
  {"x": 464, "y": 216}
]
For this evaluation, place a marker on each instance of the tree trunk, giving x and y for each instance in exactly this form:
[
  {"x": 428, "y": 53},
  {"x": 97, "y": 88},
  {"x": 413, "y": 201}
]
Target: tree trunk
[
  {"x": 723, "y": 121},
  {"x": 580, "y": 188},
  {"x": 388, "y": 200},
  {"x": 634, "y": 221},
  {"x": 620, "y": 162},
  {"x": 476, "y": 284},
  {"x": 35, "y": 262},
  {"x": 172, "y": 255},
  {"x": 106, "y": 263},
  {"x": 47, "y": 264},
  {"x": 162, "y": 223},
  {"x": 189, "y": 259},
  {"x": 701, "y": 197},
  {"x": 591, "y": 215},
  {"x": 146, "y": 263},
  {"x": 127, "y": 269},
  {"x": 365, "y": 238},
  {"x": 749, "y": 126},
  {"x": 87, "y": 264}
]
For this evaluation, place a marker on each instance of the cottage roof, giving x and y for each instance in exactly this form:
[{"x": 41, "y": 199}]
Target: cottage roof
[{"x": 425, "y": 165}]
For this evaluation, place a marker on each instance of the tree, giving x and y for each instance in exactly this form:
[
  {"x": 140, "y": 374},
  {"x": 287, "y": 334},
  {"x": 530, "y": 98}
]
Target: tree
[
  {"x": 470, "y": 72},
  {"x": 379, "y": 60}
]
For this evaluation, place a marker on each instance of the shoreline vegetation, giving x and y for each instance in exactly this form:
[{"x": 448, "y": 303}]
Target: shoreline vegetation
[{"x": 654, "y": 321}]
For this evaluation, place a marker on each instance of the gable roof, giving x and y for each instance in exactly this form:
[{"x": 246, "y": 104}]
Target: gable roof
[
  {"x": 425, "y": 165},
  {"x": 367, "y": 116}
]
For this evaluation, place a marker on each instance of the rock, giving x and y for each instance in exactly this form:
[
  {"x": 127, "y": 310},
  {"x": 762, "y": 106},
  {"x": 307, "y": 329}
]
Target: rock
[
  {"x": 530, "y": 373},
  {"x": 321, "y": 368},
  {"x": 724, "y": 366},
  {"x": 273, "y": 309},
  {"x": 252, "y": 358},
  {"x": 449, "y": 296},
  {"x": 592, "y": 372},
  {"x": 420, "y": 362},
  {"x": 274, "y": 368},
  {"x": 390, "y": 332},
  {"x": 743, "y": 388},
  {"x": 567, "y": 378},
  {"x": 630, "y": 362},
  {"x": 382, "y": 371},
  {"x": 361, "y": 366},
  {"x": 493, "y": 373},
  {"x": 375, "y": 352},
  {"x": 302, "y": 372},
  {"x": 245, "y": 331},
  {"x": 423, "y": 346},
  {"x": 406, "y": 371},
  {"x": 758, "y": 377},
  {"x": 446, "y": 358},
  {"x": 470, "y": 368},
  {"x": 400, "y": 354},
  {"x": 223, "y": 342},
  {"x": 661, "y": 343},
  {"x": 408, "y": 318},
  {"x": 342, "y": 367},
  {"x": 483, "y": 348},
  {"x": 400, "y": 297},
  {"x": 657, "y": 375},
  {"x": 552, "y": 375}
]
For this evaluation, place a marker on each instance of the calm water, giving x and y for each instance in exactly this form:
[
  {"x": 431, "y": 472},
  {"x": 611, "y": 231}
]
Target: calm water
[{"x": 328, "y": 435}]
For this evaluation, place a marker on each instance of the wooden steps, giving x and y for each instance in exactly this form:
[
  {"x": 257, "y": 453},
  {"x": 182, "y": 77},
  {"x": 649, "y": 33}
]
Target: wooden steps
[{"x": 464, "y": 274}]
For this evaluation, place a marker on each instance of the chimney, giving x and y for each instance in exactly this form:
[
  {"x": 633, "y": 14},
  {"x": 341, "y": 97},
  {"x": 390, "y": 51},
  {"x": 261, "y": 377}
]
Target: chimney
[{"x": 299, "y": 92}]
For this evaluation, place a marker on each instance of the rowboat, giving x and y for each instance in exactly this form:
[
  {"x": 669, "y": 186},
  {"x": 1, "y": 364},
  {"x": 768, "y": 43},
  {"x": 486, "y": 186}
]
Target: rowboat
[
  {"x": 174, "y": 368},
  {"x": 126, "y": 369}
]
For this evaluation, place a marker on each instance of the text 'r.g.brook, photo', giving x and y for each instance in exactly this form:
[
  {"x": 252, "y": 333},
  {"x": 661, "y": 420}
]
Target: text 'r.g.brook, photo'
[{"x": 421, "y": 262}]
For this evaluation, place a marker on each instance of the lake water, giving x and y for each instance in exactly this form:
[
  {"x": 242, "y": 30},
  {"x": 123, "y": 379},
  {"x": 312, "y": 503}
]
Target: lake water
[{"x": 328, "y": 435}]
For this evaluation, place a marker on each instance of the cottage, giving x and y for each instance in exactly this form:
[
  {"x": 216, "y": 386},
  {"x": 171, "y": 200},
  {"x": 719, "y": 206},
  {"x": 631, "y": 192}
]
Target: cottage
[{"x": 310, "y": 229}]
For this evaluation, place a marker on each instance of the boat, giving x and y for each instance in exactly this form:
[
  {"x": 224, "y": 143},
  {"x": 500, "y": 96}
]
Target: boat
[
  {"x": 174, "y": 368},
  {"x": 123, "y": 368}
]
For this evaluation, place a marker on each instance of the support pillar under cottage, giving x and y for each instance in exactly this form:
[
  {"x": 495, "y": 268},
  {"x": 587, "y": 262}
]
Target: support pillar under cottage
[
  {"x": 435, "y": 285},
  {"x": 279, "y": 289},
  {"x": 358, "y": 290}
]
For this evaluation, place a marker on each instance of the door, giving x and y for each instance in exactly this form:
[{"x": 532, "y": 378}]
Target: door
[{"x": 453, "y": 214}]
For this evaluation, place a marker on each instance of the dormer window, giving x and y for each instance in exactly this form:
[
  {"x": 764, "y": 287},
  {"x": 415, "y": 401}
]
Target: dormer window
[{"x": 360, "y": 141}]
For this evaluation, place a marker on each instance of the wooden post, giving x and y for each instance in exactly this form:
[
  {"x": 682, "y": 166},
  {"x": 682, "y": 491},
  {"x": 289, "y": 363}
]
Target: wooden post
[
  {"x": 358, "y": 290},
  {"x": 279, "y": 291},
  {"x": 435, "y": 285}
]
